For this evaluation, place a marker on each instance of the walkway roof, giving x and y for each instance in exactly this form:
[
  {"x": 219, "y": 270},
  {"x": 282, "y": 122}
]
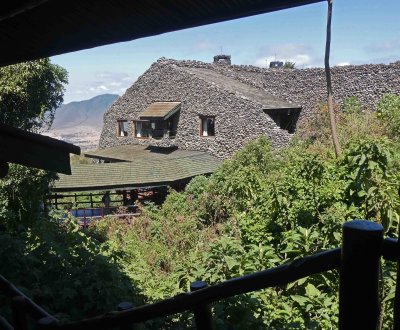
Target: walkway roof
[
  {"x": 145, "y": 169},
  {"x": 135, "y": 152}
]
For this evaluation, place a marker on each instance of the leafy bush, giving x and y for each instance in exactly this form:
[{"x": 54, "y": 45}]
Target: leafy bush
[
  {"x": 64, "y": 270},
  {"x": 389, "y": 112},
  {"x": 260, "y": 209}
]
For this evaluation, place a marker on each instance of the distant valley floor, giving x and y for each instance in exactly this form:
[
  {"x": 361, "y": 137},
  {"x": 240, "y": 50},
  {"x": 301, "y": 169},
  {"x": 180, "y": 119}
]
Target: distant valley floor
[{"x": 86, "y": 137}]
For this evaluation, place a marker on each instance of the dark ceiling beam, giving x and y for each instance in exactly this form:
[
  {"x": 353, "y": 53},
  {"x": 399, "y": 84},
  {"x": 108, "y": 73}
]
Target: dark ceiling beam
[
  {"x": 55, "y": 27},
  {"x": 16, "y": 8}
]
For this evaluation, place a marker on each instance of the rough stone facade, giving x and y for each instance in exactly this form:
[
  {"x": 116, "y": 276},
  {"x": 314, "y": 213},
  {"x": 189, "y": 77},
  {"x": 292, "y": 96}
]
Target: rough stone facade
[{"x": 238, "y": 119}]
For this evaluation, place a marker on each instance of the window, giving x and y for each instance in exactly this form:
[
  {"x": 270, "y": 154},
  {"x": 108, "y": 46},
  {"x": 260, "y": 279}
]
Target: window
[
  {"x": 142, "y": 129},
  {"x": 285, "y": 118},
  {"x": 207, "y": 127},
  {"x": 122, "y": 128}
]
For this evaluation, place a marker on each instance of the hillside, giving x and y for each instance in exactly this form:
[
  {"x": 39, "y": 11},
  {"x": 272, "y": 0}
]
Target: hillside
[
  {"x": 88, "y": 113},
  {"x": 80, "y": 122}
]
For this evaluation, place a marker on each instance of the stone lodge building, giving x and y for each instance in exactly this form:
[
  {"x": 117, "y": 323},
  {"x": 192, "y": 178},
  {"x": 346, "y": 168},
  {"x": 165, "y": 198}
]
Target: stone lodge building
[
  {"x": 195, "y": 106},
  {"x": 180, "y": 118},
  {"x": 219, "y": 107}
]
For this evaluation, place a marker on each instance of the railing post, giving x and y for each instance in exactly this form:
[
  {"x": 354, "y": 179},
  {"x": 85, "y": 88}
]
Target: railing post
[
  {"x": 396, "y": 303},
  {"x": 123, "y": 306},
  {"x": 4, "y": 325},
  {"x": 202, "y": 314},
  {"x": 47, "y": 322},
  {"x": 20, "y": 321},
  {"x": 359, "y": 275}
]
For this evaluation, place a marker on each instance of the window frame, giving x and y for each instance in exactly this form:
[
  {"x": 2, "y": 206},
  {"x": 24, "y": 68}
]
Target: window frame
[
  {"x": 202, "y": 119},
  {"x": 135, "y": 122},
  {"x": 120, "y": 128}
]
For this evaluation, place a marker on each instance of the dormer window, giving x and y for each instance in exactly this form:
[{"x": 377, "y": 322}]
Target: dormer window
[
  {"x": 159, "y": 120},
  {"x": 122, "y": 128},
  {"x": 285, "y": 118},
  {"x": 207, "y": 126}
]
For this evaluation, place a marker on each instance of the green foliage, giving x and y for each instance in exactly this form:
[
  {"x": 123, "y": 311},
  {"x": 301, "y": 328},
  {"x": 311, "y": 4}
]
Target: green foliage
[
  {"x": 260, "y": 209},
  {"x": 64, "y": 270},
  {"x": 372, "y": 185},
  {"x": 389, "y": 113},
  {"x": 289, "y": 65},
  {"x": 21, "y": 196},
  {"x": 265, "y": 207},
  {"x": 30, "y": 93},
  {"x": 351, "y": 105}
]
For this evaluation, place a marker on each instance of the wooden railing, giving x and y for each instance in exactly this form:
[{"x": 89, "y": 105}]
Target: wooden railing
[
  {"x": 22, "y": 308},
  {"x": 358, "y": 261}
]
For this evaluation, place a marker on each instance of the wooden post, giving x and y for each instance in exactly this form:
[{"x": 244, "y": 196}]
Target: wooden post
[
  {"x": 202, "y": 314},
  {"x": 91, "y": 200},
  {"x": 359, "y": 275},
  {"x": 20, "y": 321},
  {"x": 84, "y": 218},
  {"x": 55, "y": 201},
  {"x": 123, "y": 306}
]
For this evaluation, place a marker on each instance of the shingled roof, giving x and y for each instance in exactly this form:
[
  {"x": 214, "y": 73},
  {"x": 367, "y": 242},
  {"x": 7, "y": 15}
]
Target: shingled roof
[
  {"x": 160, "y": 110},
  {"x": 134, "y": 152},
  {"x": 143, "y": 167}
]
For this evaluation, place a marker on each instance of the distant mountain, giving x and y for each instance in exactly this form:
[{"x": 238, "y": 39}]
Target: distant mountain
[
  {"x": 81, "y": 122},
  {"x": 88, "y": 113}
]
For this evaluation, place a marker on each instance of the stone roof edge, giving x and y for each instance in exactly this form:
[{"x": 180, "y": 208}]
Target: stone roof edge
[{"x": 253, "y": 68}]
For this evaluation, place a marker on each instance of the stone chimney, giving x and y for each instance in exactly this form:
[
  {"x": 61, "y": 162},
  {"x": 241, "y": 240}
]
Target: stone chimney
[
  {"x": 276, "y": 64},
  {"x": 222, "y": 59}
]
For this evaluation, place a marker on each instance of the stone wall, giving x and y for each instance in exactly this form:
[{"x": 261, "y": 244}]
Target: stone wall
[
  {"x": 307, "y": 87},
  {"x": 238, "y": 120}
]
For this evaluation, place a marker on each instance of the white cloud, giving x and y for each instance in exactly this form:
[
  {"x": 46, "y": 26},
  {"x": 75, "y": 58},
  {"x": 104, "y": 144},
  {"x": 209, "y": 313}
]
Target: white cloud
[
  {"x": 263, "y": 62},
  {"x": 387, "y": 46},
  {"x": 111, "y": 82},
  {"x": 204, "y": 45},
  {"x": 102, "y": 82},
  {"x": 343, "y": 63}
]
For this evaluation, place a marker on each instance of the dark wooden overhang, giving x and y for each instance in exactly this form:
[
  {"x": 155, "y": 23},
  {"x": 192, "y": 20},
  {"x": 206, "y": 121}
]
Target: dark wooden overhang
[
  {"x": 31, "y": 29},
  {"x": 35, "y": 150}
]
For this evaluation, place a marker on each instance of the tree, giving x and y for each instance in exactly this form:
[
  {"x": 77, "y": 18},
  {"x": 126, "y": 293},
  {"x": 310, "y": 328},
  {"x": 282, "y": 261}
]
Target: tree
[
  {"x": 329, "y": 81},
  {"x": 289, "y": 65},
  {"x": 30, "y": 93}
]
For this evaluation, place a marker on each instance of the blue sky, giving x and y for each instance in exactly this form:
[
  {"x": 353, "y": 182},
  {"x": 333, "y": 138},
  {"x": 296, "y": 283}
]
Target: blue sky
[{"x": 363, "y": 31}]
